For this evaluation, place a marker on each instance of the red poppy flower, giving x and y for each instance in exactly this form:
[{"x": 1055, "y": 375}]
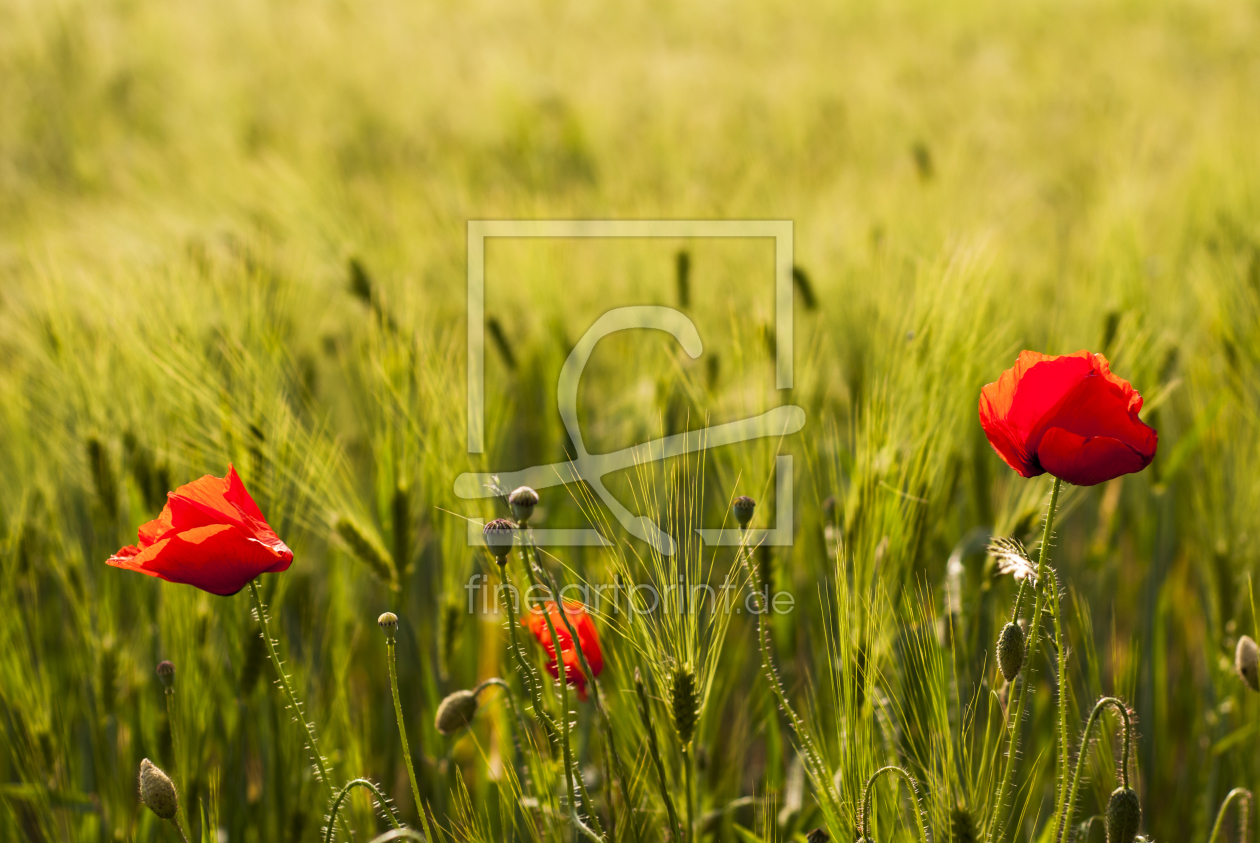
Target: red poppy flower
[
  {"x": 587, "y": 637},
  {"x": 210, "y": 535},
  {"x": 1067, "y": 415}
]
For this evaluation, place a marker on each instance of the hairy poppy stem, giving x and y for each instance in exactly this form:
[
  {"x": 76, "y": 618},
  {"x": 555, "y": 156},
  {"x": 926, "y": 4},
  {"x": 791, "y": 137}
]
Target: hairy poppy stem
[
  {"x": 340, "y": 798},
  {"x": 260, "y": 609},
  {"x": 402, "y": 736},
  {"x": 868, "y": 794},
  {"x": 1063, "y": 833},
  {"x": 1061, "y": 786},
  {"x": 1244, "y": 810},
  {"x": 1001, "y": 814}
]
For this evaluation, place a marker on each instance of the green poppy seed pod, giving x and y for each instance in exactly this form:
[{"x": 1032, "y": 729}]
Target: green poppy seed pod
[
  {"x": 456, "y": 712},
  {"x": 1124, "y": 815},
  {"x": 388, "y": 621},
  {"x": 166, "y": 673},
  {"x": 1010, "y": 651},
  {"x": 686, "y": 703},
  {"x": 744, "y": 507},
  {"x": 523, "y": 501},
  {"x": 498, "y": 535},
  {"x": 1247, "y": 662},
  {"x": 818, "y": 835},
  {"x": 157, "y": 791}
]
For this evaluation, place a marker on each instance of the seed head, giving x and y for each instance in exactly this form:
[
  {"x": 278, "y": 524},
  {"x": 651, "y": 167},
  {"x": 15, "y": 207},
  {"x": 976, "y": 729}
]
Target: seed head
[
  {"x": 498, "y": 535},
  {"x": 388, "y": 621},
  {"x": 1010, "y": 651},
  {"x": 744, "y": 507},
  {"x": 523, "y": 501},
  {"x": 166, "y": 672},
  {"x": 1124, "y": 814},
  {"x": 1247, "y": 662},
  {"x": 686, "y": 703},
  {"x": 456, "y": 712},
  {"x": 157, "y": 791},
  {"x": 818, "y": 835}
]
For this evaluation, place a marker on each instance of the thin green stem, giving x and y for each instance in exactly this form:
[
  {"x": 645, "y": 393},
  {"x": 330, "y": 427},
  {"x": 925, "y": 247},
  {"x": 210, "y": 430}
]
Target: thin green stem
[
  {"x": 390, "y": 647},
  {"x": 518, "y": 725},
  {"x": 868, "y": 793},
  {"x": 307, "y": 728},
  {"x": 604, "y": 720},
  {"x": 645, "y": 714},
  {"x": 689, "y": 791},
  {"x": 1064, "y": 832},
  {"x": 340, "y": 798},
  {"x": 176, "y": 766},
  {"x": 1001, "y": 814},
  {"x": 1244, "y": 810},
  {"x": 528, "y": 676},
  {"x": 1064, "y": 698},
  {"x": 179, "y": 829}
]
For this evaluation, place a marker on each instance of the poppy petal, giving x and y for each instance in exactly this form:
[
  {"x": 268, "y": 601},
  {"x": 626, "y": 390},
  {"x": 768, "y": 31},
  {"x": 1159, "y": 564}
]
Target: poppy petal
[
  {"x": 216, "y": 558},
  {"x": 1088, "y": 460}
]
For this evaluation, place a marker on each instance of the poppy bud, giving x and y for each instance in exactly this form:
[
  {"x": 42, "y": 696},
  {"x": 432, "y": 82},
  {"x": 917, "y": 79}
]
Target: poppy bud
[
  {"x": 686, "y": 703},
  {"x": 744, "y": 507},
  {"x": 1124, "y": 814},
  {"x": 388, "y": 621},
  {"x": 818, "y": 835},
  {"x": 498, "y": 535},
  {"x": 166, "y": 672},
  {"x": 456, "y": 712},
  {"x": 157, "y": 791},
  {"x": 523, "y": 501},
  {"x": 1247, "y": 662},
  {"x": 1010, "y": 651}
]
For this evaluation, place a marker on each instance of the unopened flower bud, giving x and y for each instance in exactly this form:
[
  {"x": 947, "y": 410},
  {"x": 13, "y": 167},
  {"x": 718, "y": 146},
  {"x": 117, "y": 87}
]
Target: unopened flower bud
[
  {"x": 157, "y": 791},
  {"x": 523, "y": 501},
  {"x": 388, "y": 621},
  {"x": 743, "y": 508},
  {"x": 166, "y": 673},
  {"x": 1124, "y": 814},
  {"x": 1010, "y": 651},
  {"x": 818, "y": 835},
  {"x": 1247, "y": 662},
  {"x": 456, "y": 712},
  {"x": 498, "y": 535}
]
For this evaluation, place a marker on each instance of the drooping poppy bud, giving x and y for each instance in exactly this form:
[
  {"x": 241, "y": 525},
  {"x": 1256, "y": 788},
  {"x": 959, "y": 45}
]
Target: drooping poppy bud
[
  {"x": 1247, "y": 662},
  {"x": 523, "y": 501},
  {"x": 1124, "y": 815},
  {"x": 1069, "y": 416},
  {"x": 157, "y": 791},
  {"x": 455, "y": 712},
  {"x": 1010, "y": 651},
  {"x": 498, "y": 535},
  {"x": 743, "y": 508}
]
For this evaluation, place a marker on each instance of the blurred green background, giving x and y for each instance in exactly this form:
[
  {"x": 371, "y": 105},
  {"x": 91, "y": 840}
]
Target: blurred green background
[{"x": 235, "y": 231}]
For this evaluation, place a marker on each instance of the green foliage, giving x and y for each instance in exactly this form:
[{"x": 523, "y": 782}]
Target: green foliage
[{"x": 236, "y": 233}]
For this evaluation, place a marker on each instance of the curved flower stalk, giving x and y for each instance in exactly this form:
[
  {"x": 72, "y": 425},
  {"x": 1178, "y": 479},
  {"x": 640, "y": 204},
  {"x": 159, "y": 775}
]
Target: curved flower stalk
[
  {"x": 340, "y": 799},
  {"x": 1243, "y": 797},
  {"x": 645, "y": 714},
  {"x": 1063, "y": 832},
  {"x": 389, "y": 622},
  {"x": 868, "y": 794}
]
